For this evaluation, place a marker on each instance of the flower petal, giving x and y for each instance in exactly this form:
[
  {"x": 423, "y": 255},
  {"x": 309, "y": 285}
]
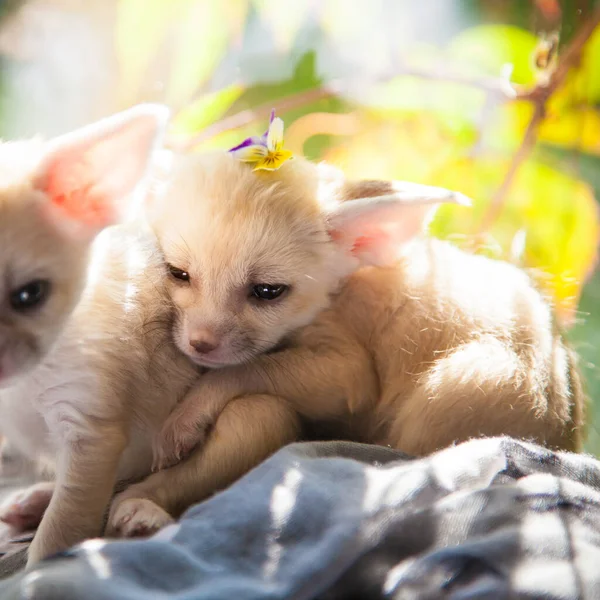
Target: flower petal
[
  {"x": 250, "y": 154},
  {"x": 251, "y": 141},
  {"x": 273, "y": 160},
  {"x": 275, "y": 136},
  {"x": 266, "y": 133}
]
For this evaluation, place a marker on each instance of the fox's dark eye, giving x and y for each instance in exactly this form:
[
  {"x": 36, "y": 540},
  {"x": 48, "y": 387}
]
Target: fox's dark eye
[
  {"x": 30, "y": 296},
  {"x": 268, "y": 291},
  {"x": 179, "y": 273}
]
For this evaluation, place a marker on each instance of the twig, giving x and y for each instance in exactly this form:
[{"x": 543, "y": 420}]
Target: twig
[
  {"x": 493, "y": 86},
  {"x": 539, "y": 95},
  {"x": 497, "y": 203},
  {"x": 550, "y": 12}
]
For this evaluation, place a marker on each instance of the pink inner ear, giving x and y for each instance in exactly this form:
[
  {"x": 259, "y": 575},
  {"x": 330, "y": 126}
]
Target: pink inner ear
[
  {"x": 377, "y": 244},
  {"x": 372, "y": 239},
  {"x": 376, "y": 248},
  {"x": 362, "y": 243},
  {"x": 71, "y": 187},
  {"x": 89, "y": 175},
  {"x": 365, "y": 243}
]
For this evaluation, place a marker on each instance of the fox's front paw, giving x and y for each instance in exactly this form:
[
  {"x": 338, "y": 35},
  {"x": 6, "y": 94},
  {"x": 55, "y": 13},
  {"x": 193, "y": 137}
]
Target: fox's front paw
[
  {"x": 24, "y": 510},
  {"x": 178, "y": 437},
  {"x": 136, "y": 517}
]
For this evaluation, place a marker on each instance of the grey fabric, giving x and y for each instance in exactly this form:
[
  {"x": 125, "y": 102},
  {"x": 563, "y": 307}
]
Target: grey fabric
[
  {"x": 16, "y": 473},
  {"x": 493, "y": 518},
  {"x": 15, "y": 559}
]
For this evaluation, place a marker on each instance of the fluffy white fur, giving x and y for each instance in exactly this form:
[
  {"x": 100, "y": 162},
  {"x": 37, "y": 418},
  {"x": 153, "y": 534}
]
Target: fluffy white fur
[{"x": 55, "y": 197}]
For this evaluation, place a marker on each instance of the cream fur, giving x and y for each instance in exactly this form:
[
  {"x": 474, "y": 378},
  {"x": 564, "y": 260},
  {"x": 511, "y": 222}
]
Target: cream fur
[
  {"x": 32, "y": 248},
  {"x": 94, "y": 405}
]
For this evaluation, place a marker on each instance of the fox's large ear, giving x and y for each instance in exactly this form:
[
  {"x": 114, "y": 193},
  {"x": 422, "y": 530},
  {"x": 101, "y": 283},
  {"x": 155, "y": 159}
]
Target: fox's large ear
[
  {"x": 88, "y": 175},
  {"x": 372, "y": 219}
]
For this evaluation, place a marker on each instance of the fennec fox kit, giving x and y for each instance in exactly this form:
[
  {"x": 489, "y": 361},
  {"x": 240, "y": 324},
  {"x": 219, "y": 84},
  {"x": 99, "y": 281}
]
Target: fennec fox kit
[
  {"x": 423, "y": 346},
  {"x": 437, "y": 345},
  {"x": 55, "y": 197},
  {"x": 223, "y": 310}
]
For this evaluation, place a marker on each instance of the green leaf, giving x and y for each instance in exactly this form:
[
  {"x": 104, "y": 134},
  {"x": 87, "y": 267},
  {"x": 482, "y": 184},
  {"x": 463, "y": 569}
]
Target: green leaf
[
  {"x": 576, "y": 129},
  {"x": 304, "y": 78},
  {"x": 457, "y": 106},
  {"x": 489, "y": 47},
  {"x": 227, "y": 139},
  {"x": 570, "y": 127},
  {"x": 205, "y": 111},
  {"x": 585, "y": 338},
  {"x": 587, "y": 76}
]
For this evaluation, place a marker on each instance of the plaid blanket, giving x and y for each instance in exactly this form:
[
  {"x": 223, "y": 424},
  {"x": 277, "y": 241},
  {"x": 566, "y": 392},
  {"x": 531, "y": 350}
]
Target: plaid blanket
[{"x": 490, "y": 518}]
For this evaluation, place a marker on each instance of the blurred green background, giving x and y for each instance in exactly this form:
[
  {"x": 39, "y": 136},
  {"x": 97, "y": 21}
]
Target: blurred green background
[{"x": 498, "y": 99}]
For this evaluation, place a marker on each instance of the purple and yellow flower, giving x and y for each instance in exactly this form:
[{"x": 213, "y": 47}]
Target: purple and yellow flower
[{"x": 265, "y": 152}]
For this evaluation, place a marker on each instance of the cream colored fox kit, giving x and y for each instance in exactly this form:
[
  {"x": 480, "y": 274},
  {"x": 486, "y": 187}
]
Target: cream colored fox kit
[
  {"x": 436, "y": 347},
  {"x": 55, "y": 197}
]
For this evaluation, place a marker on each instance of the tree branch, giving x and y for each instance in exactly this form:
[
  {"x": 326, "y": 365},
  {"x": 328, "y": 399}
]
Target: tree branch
[{"x": 539, "y": 95}]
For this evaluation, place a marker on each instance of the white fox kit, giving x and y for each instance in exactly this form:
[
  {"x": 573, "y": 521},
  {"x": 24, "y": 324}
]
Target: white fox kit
[
  {"x": 436, "y": 347},
  {"x": 55, "y": 197}
]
